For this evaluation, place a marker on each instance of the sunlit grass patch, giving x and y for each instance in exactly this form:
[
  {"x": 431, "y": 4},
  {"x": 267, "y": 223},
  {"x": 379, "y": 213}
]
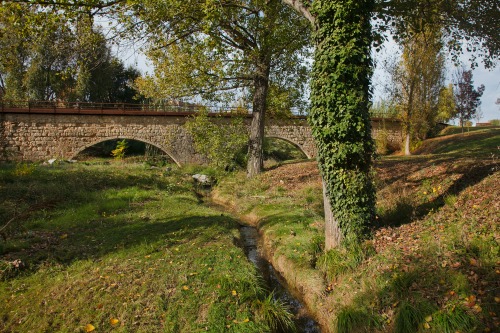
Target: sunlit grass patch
[{"x": 127, "y": 248}]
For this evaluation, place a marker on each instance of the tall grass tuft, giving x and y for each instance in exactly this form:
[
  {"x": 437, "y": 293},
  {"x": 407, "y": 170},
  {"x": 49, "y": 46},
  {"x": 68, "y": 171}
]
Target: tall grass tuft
[
  {"x": 453, "y": 320},
  {"x": 350, "y": 320},
  {"x": 410, "y": 316},
  {"x": 344, "y": 259},
  {"x": 275, "y": 314}
]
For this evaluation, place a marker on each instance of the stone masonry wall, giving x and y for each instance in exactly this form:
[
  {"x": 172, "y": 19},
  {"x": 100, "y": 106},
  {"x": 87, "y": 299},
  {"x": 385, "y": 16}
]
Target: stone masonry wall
[{"x": 36, "y": 137}]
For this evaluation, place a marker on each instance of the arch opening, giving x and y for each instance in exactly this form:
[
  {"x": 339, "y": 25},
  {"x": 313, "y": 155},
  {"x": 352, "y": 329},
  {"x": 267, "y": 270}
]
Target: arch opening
[
  {"x": 137, "y": 148},
  {"x": 279, "y": 150}
]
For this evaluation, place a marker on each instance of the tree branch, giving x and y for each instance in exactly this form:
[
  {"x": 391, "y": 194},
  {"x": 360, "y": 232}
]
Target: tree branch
[{"x": 301, "y": 9}]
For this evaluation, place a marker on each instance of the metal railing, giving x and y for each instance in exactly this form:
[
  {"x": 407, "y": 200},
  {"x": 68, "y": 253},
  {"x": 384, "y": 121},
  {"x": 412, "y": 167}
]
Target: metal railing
[{"x": 54, "y": 106}]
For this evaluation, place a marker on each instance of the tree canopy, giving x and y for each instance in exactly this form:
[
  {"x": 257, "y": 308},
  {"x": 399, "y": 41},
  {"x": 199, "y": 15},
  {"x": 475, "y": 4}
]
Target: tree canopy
[
  {"x": 222, "y": 51},
  {"x": 47, "y": 56}
]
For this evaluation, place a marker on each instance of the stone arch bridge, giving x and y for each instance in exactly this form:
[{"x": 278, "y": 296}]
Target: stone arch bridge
[{"x": 30, "y": 134}]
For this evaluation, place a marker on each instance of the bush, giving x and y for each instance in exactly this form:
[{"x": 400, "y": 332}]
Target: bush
[{"x": 220, "y": 143}]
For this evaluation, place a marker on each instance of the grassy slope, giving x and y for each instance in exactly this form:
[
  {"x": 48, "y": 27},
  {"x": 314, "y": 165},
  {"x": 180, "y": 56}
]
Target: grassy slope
[
  {"x": 432, "y": 263},
  {"x": 122, "y": 248}
]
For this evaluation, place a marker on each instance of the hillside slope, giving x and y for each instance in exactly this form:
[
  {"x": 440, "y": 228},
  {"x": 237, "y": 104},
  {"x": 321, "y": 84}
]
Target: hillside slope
[{"x": 432, "y": 262}]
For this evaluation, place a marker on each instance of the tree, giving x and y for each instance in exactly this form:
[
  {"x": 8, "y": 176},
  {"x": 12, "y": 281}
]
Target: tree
[
  {"x": 215, "y": 49},
  {"x": 49, "y": 57},
  {"x": 466, "y": 96},
  {"x": 416, "y": 83},
  {"x": 220, "y": 142},
  {"x": 339, "y": 115},
  {"x": 36, "y": 48},
  {"x": 446, "y": 104},
  {"x": 467, "y": 26}
]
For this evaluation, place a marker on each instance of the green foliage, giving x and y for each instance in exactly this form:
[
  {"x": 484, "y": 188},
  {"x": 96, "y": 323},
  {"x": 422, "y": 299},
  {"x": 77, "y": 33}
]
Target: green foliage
[
  {"x": 410, "y": 316},
  {"x": 280, "y": 150},
  {"x": 468, "y": 26},
  {"x": 350, "y": 320},
  {"x": 446, "y": 104},
  {"x": 343, "y": 260},
  {"x": 339, "y": 115},
  {"x": 275, "y": 314},
  {"x": 494, "y": 122},
  {"x": 219, "y": 142},
  {"x": 120, "y": 150},
  {"x": 50, "y": 55}
]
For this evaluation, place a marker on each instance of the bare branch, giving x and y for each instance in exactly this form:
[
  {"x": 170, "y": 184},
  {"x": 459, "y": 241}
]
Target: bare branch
[{"x": 301, "y": 9}]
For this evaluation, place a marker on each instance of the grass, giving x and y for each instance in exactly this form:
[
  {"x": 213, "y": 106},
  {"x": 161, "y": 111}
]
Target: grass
[
  {"x": 432, "y": 261},
  {"x": 125, "y": 248}
]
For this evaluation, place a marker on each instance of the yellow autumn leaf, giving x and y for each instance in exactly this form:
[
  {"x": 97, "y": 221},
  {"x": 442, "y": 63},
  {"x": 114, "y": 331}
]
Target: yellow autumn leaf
[
  {"x": 427, "y": 326},
  {"x": 89, "y": 328},
  {"x": 234, "y": 293},
  {"x": 114, "y": 321},
  {"x": 428, "y": 318},
  {"x": 246, "y": 320},
  {"x": 185, "y": 287}
]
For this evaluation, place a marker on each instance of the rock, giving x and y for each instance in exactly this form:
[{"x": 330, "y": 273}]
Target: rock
[
  {"x": 52, "y": 160},
  {"x": 202, "y": 179},
  {"x": 71, "y": 161}
]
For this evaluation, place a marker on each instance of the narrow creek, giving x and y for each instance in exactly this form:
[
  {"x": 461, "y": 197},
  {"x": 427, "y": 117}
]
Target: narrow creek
[{"x": 250, "y": 240}]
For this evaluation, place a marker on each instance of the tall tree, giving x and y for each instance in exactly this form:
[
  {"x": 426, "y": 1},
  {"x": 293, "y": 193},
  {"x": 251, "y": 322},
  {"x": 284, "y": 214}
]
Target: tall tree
[
  {"x": 208, "y": 47},
  {"x": 467, "y": 97},
  {"x": 446, "y": 104},
  {"x": 339, "y": 115},
  {"x": 416, "y": 83},
  {"x": 467, "y": 26},
  {"x": 49, "y": 57}
]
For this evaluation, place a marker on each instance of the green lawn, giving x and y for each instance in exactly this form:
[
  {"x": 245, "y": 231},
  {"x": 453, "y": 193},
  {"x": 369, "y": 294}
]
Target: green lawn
[{"x": 121, "y": 247}]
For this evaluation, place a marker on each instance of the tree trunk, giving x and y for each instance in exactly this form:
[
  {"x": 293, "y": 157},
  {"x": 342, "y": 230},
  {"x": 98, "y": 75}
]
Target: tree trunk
[
  {"x": 256, "y": 140},
  {"x": 407, "y": 144},
  {"x": 339, "y": 117},
  {"x": 333, "y": 236}
]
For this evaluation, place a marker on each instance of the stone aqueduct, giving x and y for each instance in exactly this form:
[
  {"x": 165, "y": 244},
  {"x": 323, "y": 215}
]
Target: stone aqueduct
[{"x": 29, "y": 136}]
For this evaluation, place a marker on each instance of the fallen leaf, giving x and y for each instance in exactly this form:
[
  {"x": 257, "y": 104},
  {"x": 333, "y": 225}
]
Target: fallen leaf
[
  {"x": 89, "y": 328},
  {"x": 473, "y": 262},
  {"x": 114, "y": 321},
  {"x": 427, "y": 326},
  {"x": 234, "y": 293},
  {"x": 185, "y": 287},
  {"x": 428, "y": 318}
]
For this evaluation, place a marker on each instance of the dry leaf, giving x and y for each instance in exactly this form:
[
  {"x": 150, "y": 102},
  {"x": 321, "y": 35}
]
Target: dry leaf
[
  {"x": 89, "y": 328},
  {"x": 114, "y": 321}
]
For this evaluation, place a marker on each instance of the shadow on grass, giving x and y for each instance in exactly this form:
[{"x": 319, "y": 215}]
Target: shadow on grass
[
  {"x": 100, "y": 238},
  {"x": 405, "y": 211},
  {"x": 419, "y": 294},
  {"x": 68, "y": 213}
]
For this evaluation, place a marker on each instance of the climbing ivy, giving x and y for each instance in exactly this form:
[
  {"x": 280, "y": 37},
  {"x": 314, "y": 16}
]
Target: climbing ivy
[{"x": 339, "y": 115}]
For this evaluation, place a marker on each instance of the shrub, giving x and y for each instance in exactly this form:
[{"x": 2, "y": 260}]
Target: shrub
[{"x": 121, "y": 148}]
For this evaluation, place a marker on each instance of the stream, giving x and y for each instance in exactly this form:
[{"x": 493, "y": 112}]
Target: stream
[{"x": 250, "y": 241}]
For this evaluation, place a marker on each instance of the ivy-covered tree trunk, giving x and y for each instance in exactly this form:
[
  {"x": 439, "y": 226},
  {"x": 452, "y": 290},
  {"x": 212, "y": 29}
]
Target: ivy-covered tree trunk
[
  {"x": 255, "y": 143},
  {"x": 339, "y": 115}
]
